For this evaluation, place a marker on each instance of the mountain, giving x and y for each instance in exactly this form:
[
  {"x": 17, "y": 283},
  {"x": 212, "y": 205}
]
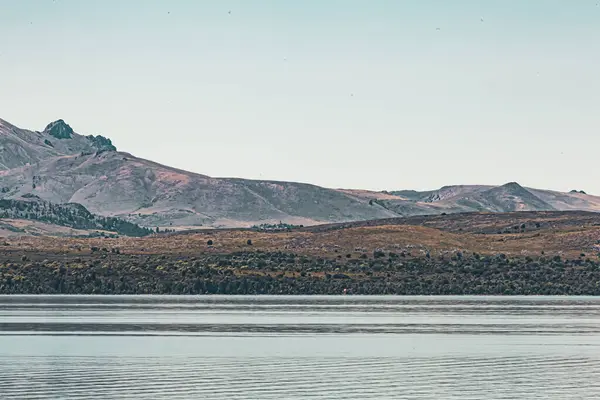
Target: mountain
[
  {"x": 469, "y": 198},
  {"x": 89, "y": 171},
  {"x": 568, "y": 201},
  {"x": 119, "y": 184},
  {"x": 60, "y": 166},
  {"x": 508, "y": 197},
  {"x": 19, "y": 147}
]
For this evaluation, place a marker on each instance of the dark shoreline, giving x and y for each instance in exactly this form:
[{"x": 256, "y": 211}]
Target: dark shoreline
[{"x": 280, "y": 273}]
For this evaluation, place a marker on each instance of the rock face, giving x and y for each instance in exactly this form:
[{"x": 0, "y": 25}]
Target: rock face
[
  {"x": 62, "y": 166},
  {"x": 101, "y": 143},
  {"x": 59, "y": 129}
]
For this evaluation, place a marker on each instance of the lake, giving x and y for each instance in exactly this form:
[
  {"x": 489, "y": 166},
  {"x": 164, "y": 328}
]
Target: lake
[{"x": 305, "y": 347}]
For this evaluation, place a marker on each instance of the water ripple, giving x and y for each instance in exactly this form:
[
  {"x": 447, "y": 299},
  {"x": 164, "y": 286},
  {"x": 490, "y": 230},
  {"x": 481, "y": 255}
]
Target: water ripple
[{"x": 84, "y": 347}]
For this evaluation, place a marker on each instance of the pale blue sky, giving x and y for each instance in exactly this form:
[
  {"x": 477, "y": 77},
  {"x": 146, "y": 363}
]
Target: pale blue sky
[{"x": 362, "y": 94}]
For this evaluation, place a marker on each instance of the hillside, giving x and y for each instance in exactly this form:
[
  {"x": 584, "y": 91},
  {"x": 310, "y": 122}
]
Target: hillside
[
  {"x": 534, "y": 253},
  {"x": 118, "y": 184},
  {"x": 569, "y": 233},
  {"x": 52, "y": 216},
  {"x": 11, "y": 228}
]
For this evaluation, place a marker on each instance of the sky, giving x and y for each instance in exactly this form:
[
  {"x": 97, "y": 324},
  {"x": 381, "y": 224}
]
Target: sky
[{"x": 369, "y": 94}]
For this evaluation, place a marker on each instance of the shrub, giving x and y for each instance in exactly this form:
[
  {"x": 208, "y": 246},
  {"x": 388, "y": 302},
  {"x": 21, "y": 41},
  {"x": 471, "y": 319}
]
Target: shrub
[{"x": 378, "y": 254}]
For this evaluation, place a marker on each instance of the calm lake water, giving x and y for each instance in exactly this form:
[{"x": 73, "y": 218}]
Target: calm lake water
[{"x": 279, "y": 347}]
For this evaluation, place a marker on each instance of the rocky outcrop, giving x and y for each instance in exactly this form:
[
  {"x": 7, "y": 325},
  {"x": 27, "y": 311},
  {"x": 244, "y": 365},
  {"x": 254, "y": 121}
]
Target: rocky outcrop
[
  {"x": 59, "y": 129},
  {"x": 101, "y": 143},
  {"x": 19, "y": 147}
]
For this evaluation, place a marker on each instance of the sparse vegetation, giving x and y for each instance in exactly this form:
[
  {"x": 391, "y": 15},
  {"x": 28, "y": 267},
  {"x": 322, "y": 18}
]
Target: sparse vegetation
[
  {"x": 275, "y": 227},
  {"x": 386, "y": 259},
  {"x": 72, "y": 215}
]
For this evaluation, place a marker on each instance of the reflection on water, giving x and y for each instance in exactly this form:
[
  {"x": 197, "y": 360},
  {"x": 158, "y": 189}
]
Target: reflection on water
[{"x": 277, "y": 347}]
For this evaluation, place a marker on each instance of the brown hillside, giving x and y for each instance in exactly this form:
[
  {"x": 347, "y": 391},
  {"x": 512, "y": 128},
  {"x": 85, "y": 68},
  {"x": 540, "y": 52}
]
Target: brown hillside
[{"x": 558, "y": 233}]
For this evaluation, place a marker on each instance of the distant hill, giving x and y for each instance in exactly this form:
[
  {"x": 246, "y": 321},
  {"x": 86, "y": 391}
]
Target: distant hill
[
  {"x": 61, "y": 166},
  {"x": 480, "y": 198},
  {"x": 69, "y": 215}
]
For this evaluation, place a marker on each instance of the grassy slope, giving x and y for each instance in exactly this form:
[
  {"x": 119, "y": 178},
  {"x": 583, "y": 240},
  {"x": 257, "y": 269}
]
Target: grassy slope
[{"x": 564, "y": 233}]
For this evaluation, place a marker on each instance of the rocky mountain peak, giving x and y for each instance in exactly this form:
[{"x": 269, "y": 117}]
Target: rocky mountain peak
[
  {"x": 59, "y": 129},
  {"x": 101, "y": 143}
]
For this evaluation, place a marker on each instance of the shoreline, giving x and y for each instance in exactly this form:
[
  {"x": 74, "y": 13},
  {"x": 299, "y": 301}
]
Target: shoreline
[{"x": 278, "y": 273}]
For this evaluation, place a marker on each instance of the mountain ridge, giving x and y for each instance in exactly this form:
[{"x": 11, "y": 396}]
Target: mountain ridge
[
  {"x": 89, "y": 170},
  {"x": 509, "y": 197}
]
